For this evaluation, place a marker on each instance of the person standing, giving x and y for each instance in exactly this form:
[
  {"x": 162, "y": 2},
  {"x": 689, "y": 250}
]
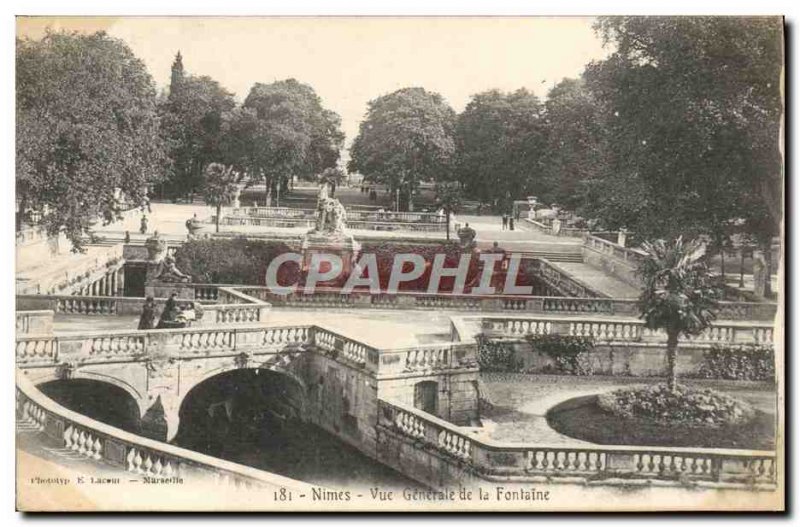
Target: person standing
[
  {"x": 505, "y": 221},
  {"x": 148, "y": 318},
  {"x": 143, "y": 225},
  {"x": 511, "y": 223},
  {"x": 170, "y": 313}
]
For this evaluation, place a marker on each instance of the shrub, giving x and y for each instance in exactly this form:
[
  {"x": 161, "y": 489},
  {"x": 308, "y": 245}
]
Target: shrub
[
  {"x": 570, "y": 354},
  {"x": 684, "y": 405},
  {"x": 497, "y": 356},
  {"x": 233, "y": 261},
  {"x": 751, "y": 363}
]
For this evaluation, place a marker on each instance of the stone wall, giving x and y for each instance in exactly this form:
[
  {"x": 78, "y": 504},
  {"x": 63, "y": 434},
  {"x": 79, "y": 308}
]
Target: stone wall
[
  {"x": 640, "y": 359},
  {"x": 341, "y": 400},
  {"x": 457, "y": 394}
]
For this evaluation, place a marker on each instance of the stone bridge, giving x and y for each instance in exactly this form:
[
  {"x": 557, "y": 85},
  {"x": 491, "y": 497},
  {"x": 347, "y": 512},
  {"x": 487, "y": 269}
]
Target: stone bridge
[{"x": 339, "y": 377}]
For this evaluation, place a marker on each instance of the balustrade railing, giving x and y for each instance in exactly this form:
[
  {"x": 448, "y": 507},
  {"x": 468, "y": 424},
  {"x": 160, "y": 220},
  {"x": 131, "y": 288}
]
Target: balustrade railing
[
  {"x": 561, "y": 281},
  {"x": 632, "y": 257},
  {"x": 428, "y": 358},
  {"x": 101, "y": 347},
  {"x": 39, "y": 322},
  {"x": 113, "y": 448},
  {"x": 338, "y": 346},
  {"x": 335, "y": 298},
  {"x": 621, "y": 330},
  {"x": 395, "y": 217},
  {"x": 515, "y": 462},
  {"x": 33, "y": 349}
]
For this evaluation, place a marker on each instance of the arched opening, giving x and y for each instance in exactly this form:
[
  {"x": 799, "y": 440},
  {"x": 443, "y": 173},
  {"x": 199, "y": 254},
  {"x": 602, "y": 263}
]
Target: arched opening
[
  {"x": 257, "y": 418},
  {"x": 245, "y": 406},
  {"x": 98, "y": 400}
]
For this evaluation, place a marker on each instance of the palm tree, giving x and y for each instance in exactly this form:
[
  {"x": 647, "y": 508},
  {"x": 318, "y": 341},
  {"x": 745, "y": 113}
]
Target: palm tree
[{"x": 679, "y": 295}]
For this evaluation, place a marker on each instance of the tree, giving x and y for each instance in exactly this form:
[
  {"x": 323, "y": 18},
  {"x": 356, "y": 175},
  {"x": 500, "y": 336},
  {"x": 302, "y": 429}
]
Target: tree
[
  {"x": 283, "y": 131},
  {"x": 406, "y": 138},
  {"x": 449, "y": 197},
  {"x": 678, "y": 295},
  {"x": 193, "y": 115},
  {"x": 694, "y": 108},
  {"x": 219, "y": 186},
  {"x": 577, "y": 149},
  {"x": 87, "y": 128},
  {"x": 500, "y": 142}
]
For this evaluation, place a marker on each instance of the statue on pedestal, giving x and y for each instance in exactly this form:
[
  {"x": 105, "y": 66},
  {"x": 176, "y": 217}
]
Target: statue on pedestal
[
  {"x": 331, "y": 215},
  {"x": 466, "y": 237}
]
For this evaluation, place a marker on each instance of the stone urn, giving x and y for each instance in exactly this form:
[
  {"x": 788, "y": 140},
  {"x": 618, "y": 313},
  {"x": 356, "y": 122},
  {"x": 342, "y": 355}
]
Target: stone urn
[
  {"x": 156, "y": 247},
  {"x": 194, "y": 226}
]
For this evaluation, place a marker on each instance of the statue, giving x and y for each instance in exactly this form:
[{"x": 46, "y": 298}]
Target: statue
[
  {"x": 156, "y": 247},
  {"x": 331, "y": 215},
  {"x": 466, "y": 237},
  {"x": 168, "y": 271}
]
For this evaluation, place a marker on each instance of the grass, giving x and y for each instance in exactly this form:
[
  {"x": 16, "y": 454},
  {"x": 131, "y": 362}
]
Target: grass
[{"x": 582, "y": 418}]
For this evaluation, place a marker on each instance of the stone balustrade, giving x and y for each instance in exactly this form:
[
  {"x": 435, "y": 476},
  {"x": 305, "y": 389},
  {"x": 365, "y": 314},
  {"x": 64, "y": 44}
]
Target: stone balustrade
[
  {"x": 115, "y": 449},
  {"x": 38, "y": 322},
  {"x": 307, "y": 223},
  {"x": 343, "y": 348},
  {"x": 563, "y": 282},
  {"x": 521, "y": 461},
  {"x": 271, "y": 212},
  {"x": 395, "y": 226},
  {"x": 547, "y": 228},
  {"x": 428, "y": 358},
  {"x": 623, "y": 330},
  {"x": 133, "y": 345},
  {"x": 32, "y": 349},
  {"x": 631, "y": 257},
  {"x": 395, "y": 217},
  {"x": 335, "y": 298}
]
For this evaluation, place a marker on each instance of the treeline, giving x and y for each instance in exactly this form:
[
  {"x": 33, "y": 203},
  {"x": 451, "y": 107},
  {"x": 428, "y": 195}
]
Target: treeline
[
  {"x": 675, "y": 132},
  {"x": 94, "y": 137}
]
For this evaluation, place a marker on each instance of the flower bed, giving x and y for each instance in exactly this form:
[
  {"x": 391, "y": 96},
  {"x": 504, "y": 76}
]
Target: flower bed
[{"x": 684, "y": 405}]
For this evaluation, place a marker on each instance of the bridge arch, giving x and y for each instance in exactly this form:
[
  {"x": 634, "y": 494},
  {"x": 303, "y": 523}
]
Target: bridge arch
[
  {"x": 51, "y": 375},
  {"x": 101, "y": 400},
  {"x": 241, "y": 400}
]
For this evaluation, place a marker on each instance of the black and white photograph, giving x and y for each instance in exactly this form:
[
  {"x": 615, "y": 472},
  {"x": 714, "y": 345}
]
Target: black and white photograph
[{"x": 399, "y": 263}]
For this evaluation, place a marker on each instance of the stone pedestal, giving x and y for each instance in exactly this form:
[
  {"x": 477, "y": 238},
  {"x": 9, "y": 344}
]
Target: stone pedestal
[
  {"x": 342, "y": 245},
  {"x": 622, "y": 237}
]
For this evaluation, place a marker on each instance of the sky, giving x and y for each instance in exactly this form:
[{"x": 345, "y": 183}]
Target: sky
[{"x": 349, "y": 60}]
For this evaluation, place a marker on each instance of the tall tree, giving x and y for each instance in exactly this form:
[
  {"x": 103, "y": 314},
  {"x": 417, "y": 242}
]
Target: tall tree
[
  {"x": 87, "y": 127},
  {"x": 694, "y": 106},
  {"x": 192, "y": 115},
  {"x": 577, "y": 149},
  {"x": 500, "y": 142},
  {"x": 284, "y": 131},
  {"x": 406, "y": 138}
]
